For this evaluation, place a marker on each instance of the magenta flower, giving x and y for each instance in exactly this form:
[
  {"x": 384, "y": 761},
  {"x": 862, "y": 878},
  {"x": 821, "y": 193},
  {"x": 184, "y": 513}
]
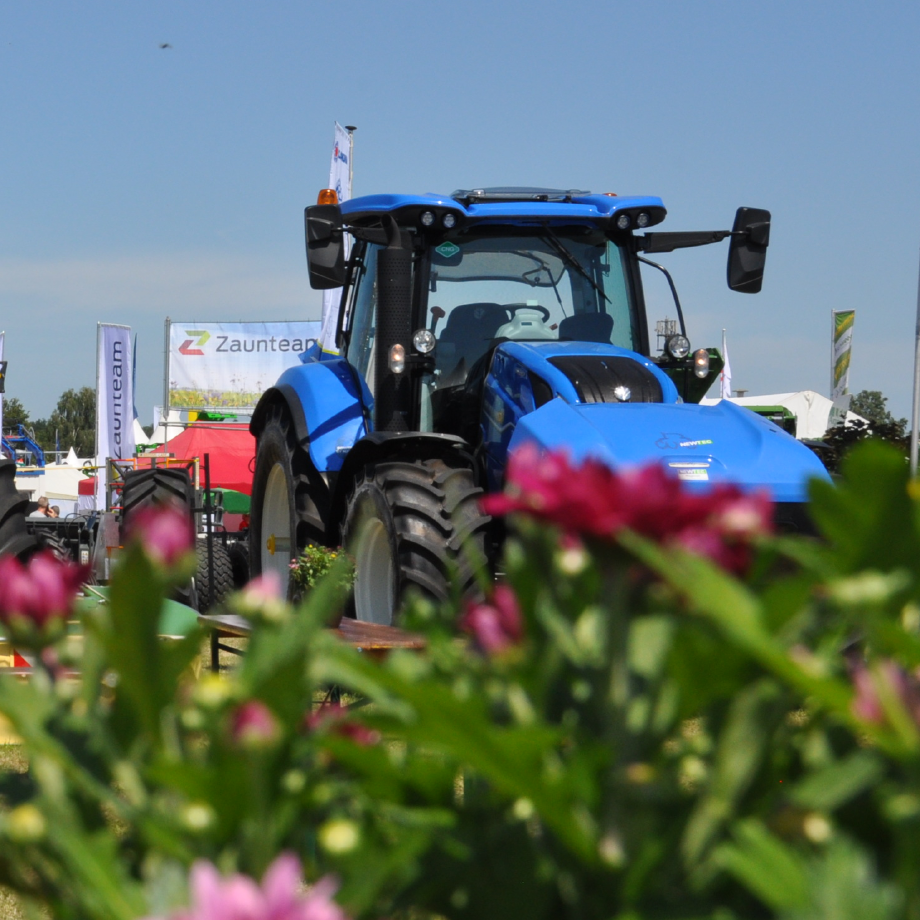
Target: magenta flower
[
  {"x": 495, "y": 625},
  {"x": 867, "y": 704},
  {"x": 240, "y": 898},
  {"x": 593, "y": 500},
  {"x": 165, "y": 531},
  {"x": 254, "y": 725},
  {"x": 337, "y": 718},
  {"x": 40, "y": 592}
]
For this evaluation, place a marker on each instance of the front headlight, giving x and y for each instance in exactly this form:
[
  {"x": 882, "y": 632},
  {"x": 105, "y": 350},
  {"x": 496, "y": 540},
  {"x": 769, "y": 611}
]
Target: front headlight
[
  {"x": 423, "y": 341},
  {"x": 678, "y": 346}
]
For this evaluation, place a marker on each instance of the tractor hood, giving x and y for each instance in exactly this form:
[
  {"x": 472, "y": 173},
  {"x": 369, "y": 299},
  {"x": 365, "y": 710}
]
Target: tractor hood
[{"x": 702, "y": 445}]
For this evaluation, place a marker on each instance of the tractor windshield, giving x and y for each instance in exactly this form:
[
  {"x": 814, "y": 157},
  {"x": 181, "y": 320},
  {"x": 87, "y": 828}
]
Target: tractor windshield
[{"x": 491, "y": 286}]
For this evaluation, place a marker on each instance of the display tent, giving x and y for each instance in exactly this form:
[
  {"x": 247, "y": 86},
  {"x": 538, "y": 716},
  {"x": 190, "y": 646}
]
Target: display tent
[{"x": 232, "y": 451}]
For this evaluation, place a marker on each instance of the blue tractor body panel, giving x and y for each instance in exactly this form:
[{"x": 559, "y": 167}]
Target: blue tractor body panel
[
  {"x": 587, "y": 208},
  {"x": 701, "y": 445},
  {"x": 333, "y": 408}
]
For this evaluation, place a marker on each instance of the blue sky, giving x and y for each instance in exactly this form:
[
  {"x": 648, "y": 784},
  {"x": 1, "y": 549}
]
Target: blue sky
[{"x": 138, "y": 183}]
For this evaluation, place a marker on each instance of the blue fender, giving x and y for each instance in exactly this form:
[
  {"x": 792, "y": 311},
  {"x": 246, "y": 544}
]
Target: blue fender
[
  {"x": 334, "y": 407},
  {"x": 702, "y": 445}
]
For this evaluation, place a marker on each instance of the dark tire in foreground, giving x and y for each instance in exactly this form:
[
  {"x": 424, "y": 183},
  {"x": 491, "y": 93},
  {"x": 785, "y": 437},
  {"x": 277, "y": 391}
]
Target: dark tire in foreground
[
  {"x": 223, "y": 575},
  {"x": 286, "y": 492},
  {"x": 15, "y": 538},
  {"x": 413, "y": 526}
]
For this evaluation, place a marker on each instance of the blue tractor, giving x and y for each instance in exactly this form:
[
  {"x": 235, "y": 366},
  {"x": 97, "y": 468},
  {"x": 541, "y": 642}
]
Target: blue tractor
[{"x": 471, "y": 324}]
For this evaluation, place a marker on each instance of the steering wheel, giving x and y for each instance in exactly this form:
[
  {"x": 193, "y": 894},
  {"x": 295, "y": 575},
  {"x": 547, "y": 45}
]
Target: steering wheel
[{"x": 516, "y": 307}]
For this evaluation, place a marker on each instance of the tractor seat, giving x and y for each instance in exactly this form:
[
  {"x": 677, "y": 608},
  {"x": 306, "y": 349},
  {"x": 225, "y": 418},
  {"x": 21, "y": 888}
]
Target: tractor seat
[
  {"x": 470, "y": 329},
  {"x": 586, "y": 327}
]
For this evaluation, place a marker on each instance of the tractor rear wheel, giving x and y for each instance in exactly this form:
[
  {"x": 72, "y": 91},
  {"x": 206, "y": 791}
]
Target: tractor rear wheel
[
  {"x": 15, "y": 538},
  {"x": 160, "y": 487},
  {"x": 285, "y": 514},
  {"x": 413, "y": 526}
]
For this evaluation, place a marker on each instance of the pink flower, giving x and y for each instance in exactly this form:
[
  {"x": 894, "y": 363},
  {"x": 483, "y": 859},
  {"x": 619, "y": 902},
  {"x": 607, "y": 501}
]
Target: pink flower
[
  {"x": 165, "y": 531},
  {"x": 39, "y": 591},
  {"x": 495, "y": 625},
  {"x": 337, "y": 718},
  {"x": 591, "y": 499},
  {"x": 240, "y": 898},
  {"x": 867, "y": 704},
  {"x": 264, "y": 589},
  {"x": 254, "y": 725}
]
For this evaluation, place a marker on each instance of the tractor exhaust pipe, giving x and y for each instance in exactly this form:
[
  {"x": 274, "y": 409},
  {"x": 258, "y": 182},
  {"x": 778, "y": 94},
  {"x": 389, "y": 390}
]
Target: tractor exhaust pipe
[{"x": 392, "y": 388}]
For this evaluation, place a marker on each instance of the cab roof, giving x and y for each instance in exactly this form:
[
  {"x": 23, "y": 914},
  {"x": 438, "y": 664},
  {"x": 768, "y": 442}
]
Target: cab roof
[{"x": 504, "y": 203}]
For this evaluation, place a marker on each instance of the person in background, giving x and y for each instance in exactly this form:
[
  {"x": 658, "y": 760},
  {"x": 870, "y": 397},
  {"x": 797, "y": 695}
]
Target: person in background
[
  {"x": 42, "y": 509},
  {"x": 54, "y": 511}
]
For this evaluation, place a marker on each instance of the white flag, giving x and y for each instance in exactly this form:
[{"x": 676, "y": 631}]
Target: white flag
[
  {"x": 725, "y": 377},
  {"x": 340, "y": 180},
  {"x": 114, "y": 401}
]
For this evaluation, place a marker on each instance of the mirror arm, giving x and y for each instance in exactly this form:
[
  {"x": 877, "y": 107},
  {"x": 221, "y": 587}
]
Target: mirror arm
[{"x": 667, "y": 274}]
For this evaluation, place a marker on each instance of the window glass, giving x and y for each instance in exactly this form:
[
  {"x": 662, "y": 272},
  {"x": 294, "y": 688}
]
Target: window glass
[
  {"x": 529, "y": 287},
  {"x": 363, "y": 316}
]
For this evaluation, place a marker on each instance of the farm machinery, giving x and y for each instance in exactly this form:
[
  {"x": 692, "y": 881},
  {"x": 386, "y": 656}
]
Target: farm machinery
[{"x": 471, "y": 324}]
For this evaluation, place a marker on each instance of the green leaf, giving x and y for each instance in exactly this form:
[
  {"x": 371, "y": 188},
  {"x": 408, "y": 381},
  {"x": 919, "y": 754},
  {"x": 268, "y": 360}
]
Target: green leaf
[
  {"x": 739, "y": 756},
  {"x": 771, "y": 869},
  {"x": 834, "y": 785}
]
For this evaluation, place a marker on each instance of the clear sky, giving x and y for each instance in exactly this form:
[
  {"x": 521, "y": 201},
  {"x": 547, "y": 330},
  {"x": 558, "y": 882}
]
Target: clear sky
[{"x": 139, "y": 182}]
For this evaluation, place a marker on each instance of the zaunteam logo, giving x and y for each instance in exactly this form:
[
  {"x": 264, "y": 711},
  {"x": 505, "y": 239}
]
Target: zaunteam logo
[{"x": 185, "y": 349}]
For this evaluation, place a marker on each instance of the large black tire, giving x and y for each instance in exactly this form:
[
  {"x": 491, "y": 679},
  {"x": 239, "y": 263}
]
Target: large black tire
[
  {"x": 288, "y": 501},
  {"x": 413, "y": 526},
  {"x": 160, "y": 486},
  {"x": 239, "y": 561},
  {"x": 223, "y": 575},
  {"x": 15, "y": 538},
  {"x": 52, "y": 540}
]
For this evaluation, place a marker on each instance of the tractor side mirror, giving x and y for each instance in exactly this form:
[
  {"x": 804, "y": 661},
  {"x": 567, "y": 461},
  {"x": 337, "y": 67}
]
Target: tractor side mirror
[
  {"x": 325, "y": 246},
  {"x": 747, "y": 252}
]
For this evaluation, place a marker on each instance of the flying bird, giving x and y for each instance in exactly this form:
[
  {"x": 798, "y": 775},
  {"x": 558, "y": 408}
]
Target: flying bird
[{"x": 165, "y": 45}]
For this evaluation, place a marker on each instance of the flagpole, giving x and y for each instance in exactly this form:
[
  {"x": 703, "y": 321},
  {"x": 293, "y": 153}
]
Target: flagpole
[
  {"x": 351, "y": 158},
  {"x": 915, "y": 415}
]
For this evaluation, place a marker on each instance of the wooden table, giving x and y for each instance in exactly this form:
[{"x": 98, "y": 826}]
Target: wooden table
[{"x": 373, "y": 638}]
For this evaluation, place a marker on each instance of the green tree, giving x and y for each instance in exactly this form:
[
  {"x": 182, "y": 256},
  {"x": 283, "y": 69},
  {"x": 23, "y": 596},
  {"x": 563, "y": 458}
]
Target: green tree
[
  {"x": 73, "y": 423},
  {"x": 14, "y": 413},
  {"x": 873, "y": 407}
]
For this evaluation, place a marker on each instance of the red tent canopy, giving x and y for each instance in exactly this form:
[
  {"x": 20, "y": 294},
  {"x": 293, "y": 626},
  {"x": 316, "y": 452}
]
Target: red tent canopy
[{"x": 232, "y": 451}]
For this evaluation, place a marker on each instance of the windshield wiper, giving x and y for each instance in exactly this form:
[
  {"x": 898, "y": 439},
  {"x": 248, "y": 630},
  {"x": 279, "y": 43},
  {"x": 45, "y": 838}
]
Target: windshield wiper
[{"x": 563, "y": 251}]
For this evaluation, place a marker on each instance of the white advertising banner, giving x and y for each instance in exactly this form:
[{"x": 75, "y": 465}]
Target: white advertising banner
[
  {"x": 228, "y": 366},
  {"x": 114, "y": 400},
  {"x": 340, "y": 180}
]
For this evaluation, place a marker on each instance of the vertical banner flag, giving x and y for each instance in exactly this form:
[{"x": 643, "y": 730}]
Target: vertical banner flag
[
  {"x": 340, "y": 180},
  {"x": 843, "y": 339},
  {"x": 725, "y": 378},
  {"x": 114, "y": 400}
]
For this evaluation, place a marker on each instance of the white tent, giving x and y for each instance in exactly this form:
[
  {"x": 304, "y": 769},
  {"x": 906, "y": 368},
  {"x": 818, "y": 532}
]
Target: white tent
[{"x": 812, "y": 411}]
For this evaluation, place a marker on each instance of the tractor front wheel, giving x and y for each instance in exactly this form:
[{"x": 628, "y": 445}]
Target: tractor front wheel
[
  {"x": 413, "y": 525},
  {"x": 285, "y": 515}
]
